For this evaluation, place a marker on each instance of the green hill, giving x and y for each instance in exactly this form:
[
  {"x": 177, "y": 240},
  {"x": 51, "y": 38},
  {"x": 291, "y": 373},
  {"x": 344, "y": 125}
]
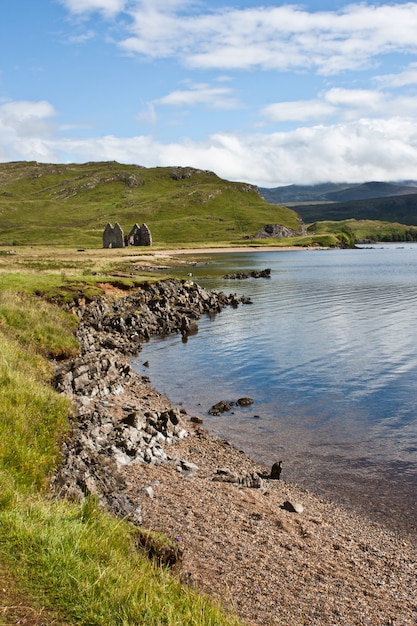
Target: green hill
[{"x": 70, "y": 205}]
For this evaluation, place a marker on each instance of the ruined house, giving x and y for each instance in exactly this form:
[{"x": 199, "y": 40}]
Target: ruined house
[
  {"x": 113, "y": 236},
  {"x": 139, "y": 236}
]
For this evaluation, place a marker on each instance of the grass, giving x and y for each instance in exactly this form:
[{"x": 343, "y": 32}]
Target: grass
[
  {"x": 38, "y": 326},
  {"x": 84, "y": 564},
  {"x": 70, "y": 563},
  {"x": 367, "y": 229},
  {"x": 33, "y": 418}
]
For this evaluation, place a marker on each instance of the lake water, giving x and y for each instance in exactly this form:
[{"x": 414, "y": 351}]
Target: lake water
[{"x": 328, "y": 352}]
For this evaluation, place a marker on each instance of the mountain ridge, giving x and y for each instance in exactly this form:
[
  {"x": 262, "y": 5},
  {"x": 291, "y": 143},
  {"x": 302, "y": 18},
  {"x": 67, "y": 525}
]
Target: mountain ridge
[
  {"x": 337, "y": 192},
  {"x": 390, "y": 202}
]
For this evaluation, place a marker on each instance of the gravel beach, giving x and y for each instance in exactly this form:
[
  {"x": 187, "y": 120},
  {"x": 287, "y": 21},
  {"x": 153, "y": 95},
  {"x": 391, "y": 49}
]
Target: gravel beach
[{"x": 323, "y": 565}]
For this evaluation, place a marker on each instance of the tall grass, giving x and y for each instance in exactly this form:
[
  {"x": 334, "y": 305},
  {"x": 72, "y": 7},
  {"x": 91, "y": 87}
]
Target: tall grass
[
  {"x": 37, "y": 325},
  {"x": 33, "y": 418},
  {"x": 71, "y": 558},
  {"x": 86, "y": 566}
]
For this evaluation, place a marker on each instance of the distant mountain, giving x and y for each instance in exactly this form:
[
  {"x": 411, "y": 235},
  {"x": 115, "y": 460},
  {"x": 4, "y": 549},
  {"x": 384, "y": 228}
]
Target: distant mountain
[
  {"x": 391, "y": 202},
  {"x": 336, "y": 192},
  {"x": 371, "y": 190},
  {"x": 399, "y": 209}
]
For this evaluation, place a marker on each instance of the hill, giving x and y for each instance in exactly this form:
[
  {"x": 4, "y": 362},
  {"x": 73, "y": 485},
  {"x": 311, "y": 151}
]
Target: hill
[
  {"x": 396, "y": 209},
  {"x": 336, "y": 192},
  {"x": 70, "y": 205},
  {"x": 392, "y": 202}
]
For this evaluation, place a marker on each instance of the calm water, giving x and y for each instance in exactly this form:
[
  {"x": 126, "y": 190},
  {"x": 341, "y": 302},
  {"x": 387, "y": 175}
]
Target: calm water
[{"x": 328, "y": 352}]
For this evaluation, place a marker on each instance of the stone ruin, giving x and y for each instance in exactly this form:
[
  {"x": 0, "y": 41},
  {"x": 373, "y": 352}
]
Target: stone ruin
[
  {"x": 113, "y": 236},
  {"x": 139, "y": 236}
]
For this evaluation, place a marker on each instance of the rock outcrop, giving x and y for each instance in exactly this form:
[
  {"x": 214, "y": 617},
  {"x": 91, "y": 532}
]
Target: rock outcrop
[
  {"x": 278, "y": 231},
  {"x": 253, "y": 274}
]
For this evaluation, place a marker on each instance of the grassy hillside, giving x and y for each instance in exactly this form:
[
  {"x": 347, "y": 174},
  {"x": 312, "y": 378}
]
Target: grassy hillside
[{"x": 70, "y": 205}]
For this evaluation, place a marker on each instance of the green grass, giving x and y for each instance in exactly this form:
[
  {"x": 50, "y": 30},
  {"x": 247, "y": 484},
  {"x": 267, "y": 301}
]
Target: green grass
[
  {"x": 71, "y": 563},
  {"x": 367, "y": 229},
  {"x": 85, "y": 565},
  {"x": 33, "y": 418},
  {"x": 38, "y": 326}
]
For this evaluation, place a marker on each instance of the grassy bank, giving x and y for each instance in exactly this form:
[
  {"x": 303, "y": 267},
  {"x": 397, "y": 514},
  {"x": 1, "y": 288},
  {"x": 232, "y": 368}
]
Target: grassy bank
[{"x": 67, "y": 562}]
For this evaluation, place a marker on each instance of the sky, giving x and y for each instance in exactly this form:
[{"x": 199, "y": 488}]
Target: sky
[{"x": 257, "y": 91}]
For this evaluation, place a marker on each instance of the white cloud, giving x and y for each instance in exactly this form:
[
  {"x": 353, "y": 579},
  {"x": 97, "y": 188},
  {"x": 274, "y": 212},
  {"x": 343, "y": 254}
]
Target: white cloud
[
  {"x": 82, "y": 38},
  {"x": 298, "y": 111},
  {"x": 344, "y": 105},
  {"x": 359, "y": 98},
  {"x": 25, "y": 119},
  {"x": 107, "y": 7},
  {"x": 149, "y": 115},
  {"x": 201, "y": 93},
  {"x": 25, "y": 130},
  {"x": 284, "y": 37},
  {"x": 353, "y": 151},
  {"x": 402, "y": 79}
]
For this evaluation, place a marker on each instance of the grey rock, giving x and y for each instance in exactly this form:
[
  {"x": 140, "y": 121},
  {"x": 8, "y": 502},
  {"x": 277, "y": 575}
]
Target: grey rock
[
  {"x": 253, "y": 480},
  {"x": 279, "y": 231},
  {"x": 244, "y": 401},
  {"x": 276, "y": 470},
  {"x": 292, "y": 507},
  {"x": 110, "y": 331},
  {"x": 148, "y": 491},
  {"x": 188, "y": 466}
]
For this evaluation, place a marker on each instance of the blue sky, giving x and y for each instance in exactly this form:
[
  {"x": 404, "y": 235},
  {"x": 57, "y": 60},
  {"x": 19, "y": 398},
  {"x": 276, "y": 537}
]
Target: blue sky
[{"x": 257, "y": 91}]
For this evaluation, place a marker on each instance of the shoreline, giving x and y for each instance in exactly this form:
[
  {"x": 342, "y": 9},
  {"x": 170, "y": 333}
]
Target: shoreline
[
  {"x": 245, "y": 546},
  {"x": 248, "y": 549},
  {"x": 231, "y": 249},
  {"x": 240, "y": 540}
]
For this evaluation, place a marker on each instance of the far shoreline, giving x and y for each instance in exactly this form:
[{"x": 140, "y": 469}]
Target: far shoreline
[{"x": 232, "y": 249}]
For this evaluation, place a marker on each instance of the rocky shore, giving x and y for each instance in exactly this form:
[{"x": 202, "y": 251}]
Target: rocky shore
[
  {"x": 272, "y": 551},
  {"x": 111, "y": 430}
]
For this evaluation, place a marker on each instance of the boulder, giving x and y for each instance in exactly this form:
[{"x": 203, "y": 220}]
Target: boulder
[
  {"x": 244, "y": 401},
  {"x": 292, "y": 507},
  {"x": 278, "y": 231},
  {"x": 221, "y": 407},
  {"x": 276, "y": 470}
]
